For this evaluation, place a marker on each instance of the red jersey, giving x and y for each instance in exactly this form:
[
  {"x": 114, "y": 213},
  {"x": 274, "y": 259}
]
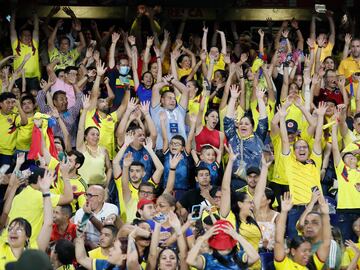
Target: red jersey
[
  {"x": 207, "y": 136},
  {"x": 70, "y": 233}
]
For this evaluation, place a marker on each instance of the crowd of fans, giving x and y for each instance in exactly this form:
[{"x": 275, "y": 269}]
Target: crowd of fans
[{"x": 142, "y": 148}]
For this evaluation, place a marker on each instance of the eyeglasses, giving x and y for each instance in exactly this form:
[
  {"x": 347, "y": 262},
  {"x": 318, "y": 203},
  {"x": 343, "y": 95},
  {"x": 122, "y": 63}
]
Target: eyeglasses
[
  {"x": 176, "y": 144},
  {"x": 145, "y": 193},
  {"x": 17, "y": 230},
  {"x": 89, "y": 195}
]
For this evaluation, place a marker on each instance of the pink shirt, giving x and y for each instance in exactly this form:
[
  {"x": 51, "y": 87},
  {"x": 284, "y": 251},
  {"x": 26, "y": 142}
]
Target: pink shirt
[{"x": 67, "y": 88}]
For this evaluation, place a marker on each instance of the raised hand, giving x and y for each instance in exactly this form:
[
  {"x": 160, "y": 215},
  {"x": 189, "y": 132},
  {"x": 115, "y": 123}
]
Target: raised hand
[
  {"x": 205, "y": 29},
  {"x": 261, "y": 33},
  {"x": 115, "y": 37},
  {"x": 174, "y": 160},
  {"x": 59, "y": 23},
  {"x": 46, "y": 181},
  {"x": 227, "y": 59},
  {"x": 174, "y": 221},
  {"x": 220, "y": 32},
  {"x": 266, "y": 163},
  {"x": 131, "y": 105},
  {"x": 321, "y": 41},
  {"x": 166, "y": 34},
  {"x": 324, "y": 206},
  {"x": 212, "y": 231},
  {"x": 144, "y": 107},
  {"x": 128, "y": 159},
  {"x": 260, "y": 93},
  {"x": 234, "y": 91},
  {"x": 167, "y": 79},
  {"x": 55, "y": 113},
  {"x": 341, "y": 82},
  {"x": 294, "y": 24},
  {"x": 129, "y": 138},
  {"x": 310, "y": 42},
  {"x": 148, "y": 145},
  {"x": 286, "y": 203},
  {"x": 65, "y": 167},
  {"x": 281, "y": 111},
  {"x": 68, "y": 11},
  {"x": 100, "y": 68},
  {"x": 321, "y": 110},
  {"x": 86, "y": 102},
  {"x": 76, "y": 24},
  {"x": 203, "y": 55},
  {"x": 348, "y": 39},
  {"x": 175, "y": 54}
]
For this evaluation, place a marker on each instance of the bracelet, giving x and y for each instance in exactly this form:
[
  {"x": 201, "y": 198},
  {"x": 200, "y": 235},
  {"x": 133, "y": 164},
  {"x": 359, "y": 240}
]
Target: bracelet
[
  {"x": 172, "y": 169},
  {"x": 47, "y": 194},
  {"x": 312, "y": 48},
  {"x": 133, "y": 45},
  {"x": 158, "y": 57}
]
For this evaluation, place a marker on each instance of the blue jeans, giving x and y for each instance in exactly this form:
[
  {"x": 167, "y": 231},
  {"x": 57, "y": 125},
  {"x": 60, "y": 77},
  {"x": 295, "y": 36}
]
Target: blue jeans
[
  {"x": 345, "y": 222},
  {"x": 293, "y": 217}
]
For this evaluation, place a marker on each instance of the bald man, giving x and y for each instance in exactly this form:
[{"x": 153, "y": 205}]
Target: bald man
[{"x": 95, "y": 210}]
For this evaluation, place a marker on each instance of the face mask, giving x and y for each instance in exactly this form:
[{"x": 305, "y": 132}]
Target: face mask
[{"x": 124, "y": 70}]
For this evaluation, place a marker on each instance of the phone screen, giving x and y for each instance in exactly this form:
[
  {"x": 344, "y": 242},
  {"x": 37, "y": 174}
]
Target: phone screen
[{"x": 196, "y": 212}]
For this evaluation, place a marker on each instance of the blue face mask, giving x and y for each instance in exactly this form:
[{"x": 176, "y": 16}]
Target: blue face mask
[{"x": 124, "y": 70}]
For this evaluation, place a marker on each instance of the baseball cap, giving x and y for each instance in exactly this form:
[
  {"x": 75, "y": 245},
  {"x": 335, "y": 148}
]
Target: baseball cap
[
  {"x": 291, "y": 126},
  {"x": 143, "y": 202},
  {"x": 221, "y": 240},
  {"x": 31, "y": 259},
  {"x": 251, "y": 170}
]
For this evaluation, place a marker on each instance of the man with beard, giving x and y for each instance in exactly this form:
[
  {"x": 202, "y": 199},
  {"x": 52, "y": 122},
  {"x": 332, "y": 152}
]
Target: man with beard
[
  {"x": 107, "y": 236},
  {"x": 98, "y": 114}
]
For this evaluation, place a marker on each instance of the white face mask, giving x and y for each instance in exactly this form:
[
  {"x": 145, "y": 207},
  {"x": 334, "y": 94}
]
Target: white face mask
[{"x": 124, "y": 70}]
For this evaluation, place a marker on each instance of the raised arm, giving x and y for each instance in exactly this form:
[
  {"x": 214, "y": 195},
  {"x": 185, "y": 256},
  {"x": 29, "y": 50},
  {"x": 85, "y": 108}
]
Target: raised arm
[
  {"x": 346, "y": 50},
  {"x": 234, "y": 91},
  {"x": 174, "y": 161},
  {"x": 300, "y": 38},
  {"x": 229, "y": 81},
  {"x": 319, "y": 130},
  {"x": 80, "y": 146},
  {"x": 147, "y": 56},
  {"x": 261, "y": 42},
  {"x": 80, "y": 253},
  {"x": 153, "y": 251},
  {"x": 134, "y": 62},
  {"x": 114, "y": 39},
  {"x": 155, "y": 94},
  {"x": 285, "y": 84},
  {"x": 52, "y": 38},
  {"x": 159, "y": 63},
  {"x": 279, "y": 248},
  {"x": 335, "y": 146},
  {"x": 204, "y": 39},
  {"x": 159, "y": 168},
  {"x": 223, "y": 42},
  {"x": 313, "y": 27},
  {"x": 13, "y": 34},
  {"x": 184, "y": 99},
  {"x": 323, "y": 250},
  {"x": 144, "y": 107},
  {"x": 120, "y": 131},
  {"x": 225, "y": 185},
  {"x": 285, "y": 145},
  {"x": 260, "y": 93},
  {"x": 261, "y": 185},
  {"x": 45, "y": 233},
  {"x": 329, "y": 15}
]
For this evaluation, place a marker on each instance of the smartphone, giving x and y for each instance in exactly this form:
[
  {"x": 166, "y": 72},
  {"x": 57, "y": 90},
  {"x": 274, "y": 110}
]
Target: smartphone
[
  {"x": 160, "y": 218},
  {"x": 196, "y": 212},
  {"x": 320, "y": 8}
]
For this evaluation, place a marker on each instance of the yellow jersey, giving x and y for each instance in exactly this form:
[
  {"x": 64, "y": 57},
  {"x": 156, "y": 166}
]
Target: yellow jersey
[
  {"x": 6, "y": 254},
  {"x": 302, "y": 176},
  {"x": 252, "y": 234},
  {"x": 24, "y": 134},
  {"x": 106, "y": 127},
  {"x": 348, "y": 196},
  {"x": 8, "y": 133},
  {"x": 270, "y": 111},
  {"x": 127, "y": 210},
  {"x": 32, "y": 210},
  {"x": 348, "y": 256},
  {"x": 289, "y": 264},
  {"x": 219, "y": 64},
  {"x": 246, "y": 189},
  {"x": 32, "y": 66},
  {"x": 78, "y": 186},
  {"x": 97, "y": 254},
  {"x": 66, "y": 59}
]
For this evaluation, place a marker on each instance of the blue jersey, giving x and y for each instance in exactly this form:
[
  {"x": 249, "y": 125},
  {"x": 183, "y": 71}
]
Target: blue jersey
[
  {"x": 214, "y": 171},
  {"x": 143, "y": 93},
  {"x": 103, "y": 265},
  {"x": 144, "y": 157},
  {"x": 181, "y": 173},
  {"x": 212, "y": 263}
]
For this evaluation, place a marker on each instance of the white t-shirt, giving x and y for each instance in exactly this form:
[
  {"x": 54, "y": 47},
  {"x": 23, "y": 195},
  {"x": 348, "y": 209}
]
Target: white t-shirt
[{"x": 92, "y": 234}]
